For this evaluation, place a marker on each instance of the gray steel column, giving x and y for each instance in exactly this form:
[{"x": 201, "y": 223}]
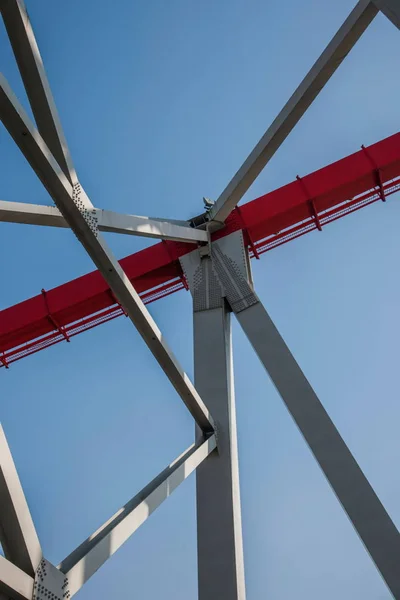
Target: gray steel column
[{"x": 219, "y": 528}]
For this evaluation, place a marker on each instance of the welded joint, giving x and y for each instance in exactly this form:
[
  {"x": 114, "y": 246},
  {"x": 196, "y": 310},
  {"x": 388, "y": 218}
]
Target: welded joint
[
  {"x": 204, "y": 437},
  {"x": 216, "y": 434}
]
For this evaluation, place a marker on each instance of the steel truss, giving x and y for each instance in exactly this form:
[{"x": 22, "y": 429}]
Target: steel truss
[{"x": 219, "y": 278}]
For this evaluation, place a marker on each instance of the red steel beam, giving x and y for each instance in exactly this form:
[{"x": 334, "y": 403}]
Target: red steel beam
[{"x": 308, "y": 203}]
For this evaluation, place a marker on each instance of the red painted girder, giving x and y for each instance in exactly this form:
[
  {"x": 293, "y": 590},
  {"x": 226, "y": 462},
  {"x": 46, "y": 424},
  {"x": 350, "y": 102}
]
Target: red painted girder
[
  {"x": 275, "y": 218},
  {"x": 327, "y": 187}
]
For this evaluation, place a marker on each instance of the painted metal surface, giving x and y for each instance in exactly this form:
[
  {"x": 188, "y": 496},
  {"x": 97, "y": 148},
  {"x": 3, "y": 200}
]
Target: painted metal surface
[
  {"x": 357, "y": 497},
  {"x": 360, "y": 502},
  {"x": 18, "y": 535},
  {"x": 107, "y": 220},
  {"x": 14, "y": 583},
  {"x": 81, "y": 216},
  {"x": 219, "y": 525},
  {"x": 320, "y": 73},
  {"x": 37, "y": 87},
  {"x": 81, "y": 564},
  {"x": 276, "y": 218},
  {"x": 220, "y": 279},
  {"x": 21, "y": 544}
]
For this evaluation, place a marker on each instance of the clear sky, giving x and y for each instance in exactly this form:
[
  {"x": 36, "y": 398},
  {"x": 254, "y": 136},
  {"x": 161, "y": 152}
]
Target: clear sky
[{"x": 161, "y": 102}]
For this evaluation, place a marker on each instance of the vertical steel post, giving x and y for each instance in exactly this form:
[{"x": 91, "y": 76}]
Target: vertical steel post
[{"x": 219, "y": 527}]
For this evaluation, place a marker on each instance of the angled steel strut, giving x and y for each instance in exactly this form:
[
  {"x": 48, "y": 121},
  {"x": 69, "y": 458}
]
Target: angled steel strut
[
  {"x": 315, "y": 80},
  {"x": 217, "y": 271},
  {"x": 224, "y": 276},
  {"x": 26, "y": 575}
]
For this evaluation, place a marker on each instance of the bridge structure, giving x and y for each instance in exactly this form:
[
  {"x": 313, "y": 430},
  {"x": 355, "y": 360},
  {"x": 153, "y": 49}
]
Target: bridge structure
[{"x": 209, "y": 256}]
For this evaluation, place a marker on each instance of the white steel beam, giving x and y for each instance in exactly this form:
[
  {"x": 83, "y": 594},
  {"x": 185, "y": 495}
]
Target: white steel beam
[
  {"x": 308, "y": 90},
  {"x": 145, "y": 226},
  {"x": 83, "y": 562},
  {"x": 80, "y": 215},
  {"x": 363, "y": 507},
  {"x": 390, "y": 8},
  {"x": 18, "y": 535},
  {"x": 14, "y": 583},
  {"x": 107, "y": 220},
  {"x": 34, "y": 77},
  {"x": 219, "y": 524}
]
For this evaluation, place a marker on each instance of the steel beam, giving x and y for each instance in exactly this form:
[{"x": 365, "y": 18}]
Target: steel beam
[
  {"x": 354, "y": 492},
  {"x": 230, "y": 269},
  {"x": 147, "y": 227},
  {"x": 37, "y": 87},
  {"x": 80, "y": 215},
  {"x": 81, "y": 564},
  {"x": 18, "y": 535},
  {"x": 219, "y": 527},
  {"x": 14, "y": 583},
  {"x": 390, "y": 8},
  {"x": 333, "y": 55},
  {"x": 107, "y": 220}
]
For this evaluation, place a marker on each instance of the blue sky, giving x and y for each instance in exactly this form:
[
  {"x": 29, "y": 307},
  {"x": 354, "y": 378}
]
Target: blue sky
[{"x": 161, "y": 102}]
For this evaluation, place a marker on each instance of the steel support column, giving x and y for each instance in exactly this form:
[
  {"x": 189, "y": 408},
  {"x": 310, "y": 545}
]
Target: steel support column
[
  {"x": 219, "y": 528},
  {"x": 354, "y": 492}
]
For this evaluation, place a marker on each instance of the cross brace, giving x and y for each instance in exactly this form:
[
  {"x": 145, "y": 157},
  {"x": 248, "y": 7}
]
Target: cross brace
[
  {"x": 225, "y": 274},
  {"x": 26, "y": 575},
  {"x": 107, "y": 220},
  {"x": 81, "y": 216},
  {"x": 218, "y": 278}
]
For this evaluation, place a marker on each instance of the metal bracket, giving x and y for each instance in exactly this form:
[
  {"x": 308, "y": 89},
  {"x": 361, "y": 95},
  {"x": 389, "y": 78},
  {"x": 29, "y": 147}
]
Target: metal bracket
[
  {"x": 378, "y": 176},
  {"x": 85, "y": 206},
  {"x": 311, "y": 202},
  {"x": 50, "y": 583},
  {"x": 224, "y": 273},
  {"x": 52, "y": 319}
]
